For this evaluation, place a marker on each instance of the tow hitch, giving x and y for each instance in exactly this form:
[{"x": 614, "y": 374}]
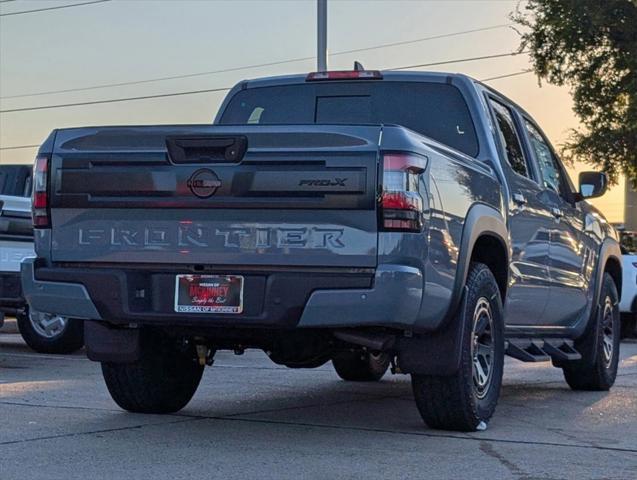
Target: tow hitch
[{"x": 205, "y": 355}]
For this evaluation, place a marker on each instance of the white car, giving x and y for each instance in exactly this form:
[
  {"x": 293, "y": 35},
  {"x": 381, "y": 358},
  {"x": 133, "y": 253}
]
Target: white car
[
  {"x": 43, "y": 332},
  {"x": 628, "y": 304}
]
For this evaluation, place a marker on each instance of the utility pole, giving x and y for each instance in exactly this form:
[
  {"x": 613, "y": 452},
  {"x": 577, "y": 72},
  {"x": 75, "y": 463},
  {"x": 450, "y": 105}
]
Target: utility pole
[{"x": 321, "y": 35}]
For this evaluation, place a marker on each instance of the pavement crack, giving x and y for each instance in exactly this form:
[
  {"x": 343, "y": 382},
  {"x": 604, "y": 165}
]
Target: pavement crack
[
  {"x": 94, "y": 432},
  {"x": 69, "y": 407},
  {"x": 479, "y": 438},
  {"x": 487, "y": 448}
]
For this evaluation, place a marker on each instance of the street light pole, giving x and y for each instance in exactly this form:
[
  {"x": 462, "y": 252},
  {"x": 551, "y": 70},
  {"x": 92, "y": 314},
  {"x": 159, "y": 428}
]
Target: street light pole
[{"x": 321, "y": 35}]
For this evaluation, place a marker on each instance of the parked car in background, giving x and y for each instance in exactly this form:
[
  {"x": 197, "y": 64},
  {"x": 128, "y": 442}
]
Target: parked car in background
[
  {"x": 365, "y": 218},
  {"x": 628, "y": 304},
  {"x": 43, "y": 332}
]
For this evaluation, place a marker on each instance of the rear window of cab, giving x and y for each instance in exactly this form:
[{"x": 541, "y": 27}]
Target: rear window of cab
[{"x": 436, "y": 110}]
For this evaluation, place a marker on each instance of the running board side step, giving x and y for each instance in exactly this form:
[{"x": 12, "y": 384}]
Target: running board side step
[{"x": 542, "y": 350}]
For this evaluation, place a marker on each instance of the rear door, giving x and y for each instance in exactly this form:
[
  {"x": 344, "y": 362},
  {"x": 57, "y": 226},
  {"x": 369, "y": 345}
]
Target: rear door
[
  {"x": 569, "y": 251},
  {"x": 216, "y": 195},
  {"x": 529, "y": 225}
]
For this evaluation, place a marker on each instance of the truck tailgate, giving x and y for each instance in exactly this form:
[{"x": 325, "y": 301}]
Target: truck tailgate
[{"x": 300, "y": 195}]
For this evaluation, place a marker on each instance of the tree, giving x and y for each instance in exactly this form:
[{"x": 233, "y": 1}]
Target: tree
[{"x": 591, "y": 46}]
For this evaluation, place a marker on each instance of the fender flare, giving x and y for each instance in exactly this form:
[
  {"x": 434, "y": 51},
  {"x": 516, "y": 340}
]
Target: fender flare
[
  {"x": 586, "y": 331},
  {"x": 609, "y": 249},
  {"x": 481, "y": 220}
]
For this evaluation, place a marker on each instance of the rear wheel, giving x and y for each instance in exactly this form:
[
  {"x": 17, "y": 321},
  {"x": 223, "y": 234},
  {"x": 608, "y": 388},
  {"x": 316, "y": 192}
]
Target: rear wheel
[
  {"x": 361, "y": 366},
  {"x": 465, "y": 400},
  {"x": 163, "y": 380},
  {"x": 51, "y": 333},
  {"x": 599, "y": 347}
]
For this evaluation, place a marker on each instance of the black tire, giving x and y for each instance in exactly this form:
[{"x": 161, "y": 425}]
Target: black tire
[
  {"x": 67, "y": 338},
  {"x": 464, "y": 400},
  {"x": 597, "y": 369},
  {"x": 163, "y": 380},
  {"x": 361, "y": 366}
]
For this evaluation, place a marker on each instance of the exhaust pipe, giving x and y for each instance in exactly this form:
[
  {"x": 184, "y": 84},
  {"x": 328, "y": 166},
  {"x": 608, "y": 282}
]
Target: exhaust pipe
[{"x": 374, "y": 341}]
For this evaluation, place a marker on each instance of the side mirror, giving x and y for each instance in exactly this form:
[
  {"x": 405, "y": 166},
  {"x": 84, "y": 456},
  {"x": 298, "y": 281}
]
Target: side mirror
[{"x": 592, "y": 184}]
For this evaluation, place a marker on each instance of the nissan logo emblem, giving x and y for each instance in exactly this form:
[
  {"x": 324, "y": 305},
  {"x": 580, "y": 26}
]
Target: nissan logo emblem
[{"x": 204, "y": 183}]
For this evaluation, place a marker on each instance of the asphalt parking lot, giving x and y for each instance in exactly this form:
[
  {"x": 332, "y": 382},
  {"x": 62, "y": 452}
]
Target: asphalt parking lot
[{"x": 253, "y": 419}]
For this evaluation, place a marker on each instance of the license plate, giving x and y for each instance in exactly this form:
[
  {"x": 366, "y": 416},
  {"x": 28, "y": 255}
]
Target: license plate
[{"x": 209, "y": 294}]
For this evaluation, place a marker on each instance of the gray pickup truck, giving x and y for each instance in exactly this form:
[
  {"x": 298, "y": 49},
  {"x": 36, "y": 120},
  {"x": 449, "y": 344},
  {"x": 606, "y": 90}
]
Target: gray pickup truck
[{"x": 418, "y": 220}]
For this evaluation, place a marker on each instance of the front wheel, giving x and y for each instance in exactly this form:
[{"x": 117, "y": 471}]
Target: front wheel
[
  {"x": 162, "y": 380},
  {"x": 51, "y": 333},
  {"x": 599, "y": 347},
  {"x": 467, "y": 399}
]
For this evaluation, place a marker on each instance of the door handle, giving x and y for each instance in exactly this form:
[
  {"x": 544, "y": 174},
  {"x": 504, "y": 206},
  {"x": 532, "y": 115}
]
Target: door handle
[
  {"x": 557, "y": 213},
  {"x": 519, "y": 199}
]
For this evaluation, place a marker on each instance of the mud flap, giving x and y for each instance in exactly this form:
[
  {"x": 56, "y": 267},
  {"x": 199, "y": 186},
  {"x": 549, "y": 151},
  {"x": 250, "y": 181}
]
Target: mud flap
[
  {"x": 108, "y": 344},
  {"x": 436, "y": 353}
]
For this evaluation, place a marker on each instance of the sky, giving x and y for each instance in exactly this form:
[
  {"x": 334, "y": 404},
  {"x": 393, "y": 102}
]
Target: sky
[{"x": 130, "y": 40}]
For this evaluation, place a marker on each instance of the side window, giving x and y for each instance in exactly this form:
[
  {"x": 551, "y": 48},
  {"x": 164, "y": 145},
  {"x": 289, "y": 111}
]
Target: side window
[
  {"x": 549, "y": 166},
  {"x": 510, "y": 138}
]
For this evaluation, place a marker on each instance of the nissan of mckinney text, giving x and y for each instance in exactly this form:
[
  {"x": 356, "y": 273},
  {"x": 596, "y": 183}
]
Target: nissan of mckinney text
[{"x": 407, "y": 220}]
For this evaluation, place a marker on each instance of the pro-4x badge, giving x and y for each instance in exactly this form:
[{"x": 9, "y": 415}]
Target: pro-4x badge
[
  {"x": 336, "y": 182},
  {"x": 204, "y": 183}
]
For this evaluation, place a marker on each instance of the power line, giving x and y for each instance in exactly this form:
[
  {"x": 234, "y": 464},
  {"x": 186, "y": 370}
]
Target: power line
[
  {"x": 471, "y": 59},
  {"x": 115, "y": 100},
  {"x": 18, "y": 147},
  {"x": 523, "y": 72},
  {"x": 150, "y": 80},
  {"x": 53, "y": 8},
  {"x": 193, "y": 92},
  {"x": 268, "y": 64},
  {"x": 417, "y": 40}
]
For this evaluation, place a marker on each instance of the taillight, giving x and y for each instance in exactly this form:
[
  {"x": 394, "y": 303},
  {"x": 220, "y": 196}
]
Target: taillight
[
  {"x": 401, "y": 206},
  {"x": 344, "y": 75},
  {"x": 40, "y": 197}
]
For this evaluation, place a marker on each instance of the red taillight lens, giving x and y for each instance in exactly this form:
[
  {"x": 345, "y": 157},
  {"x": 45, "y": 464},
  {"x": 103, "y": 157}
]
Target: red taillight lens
[
  {"x": 40, "y": 197},
  {"x": 40, "y": 200},
  {"x": 401, "y": 206},
  {"x": 344, "y": 75}
]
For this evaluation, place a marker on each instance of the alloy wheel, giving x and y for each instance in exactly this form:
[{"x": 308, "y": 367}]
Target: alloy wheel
[
  {"x": 482, "y": 347},
  {"x": 47, "y": 325},
  {"x": 608, "y": 316}
]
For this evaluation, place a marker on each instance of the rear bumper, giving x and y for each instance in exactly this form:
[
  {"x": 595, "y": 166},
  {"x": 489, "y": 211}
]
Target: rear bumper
[
  {"x": 387, "y": 296},
  {"x": 69, "y": 299}
]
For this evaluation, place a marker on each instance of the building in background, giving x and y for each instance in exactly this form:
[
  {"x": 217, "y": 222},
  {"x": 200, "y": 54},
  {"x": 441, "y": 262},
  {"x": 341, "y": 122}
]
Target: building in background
[{"x": 630, "y": 207}]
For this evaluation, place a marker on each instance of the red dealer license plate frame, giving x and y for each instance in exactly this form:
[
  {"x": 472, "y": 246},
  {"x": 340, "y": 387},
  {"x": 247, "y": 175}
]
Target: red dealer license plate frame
[{"x": 209, "y": 294}]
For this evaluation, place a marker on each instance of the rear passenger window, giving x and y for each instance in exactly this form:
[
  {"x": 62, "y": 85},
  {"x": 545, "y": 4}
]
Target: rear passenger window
[
  {"x": 550, "y": 169},
  {"x": 510, "y": 139}
]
